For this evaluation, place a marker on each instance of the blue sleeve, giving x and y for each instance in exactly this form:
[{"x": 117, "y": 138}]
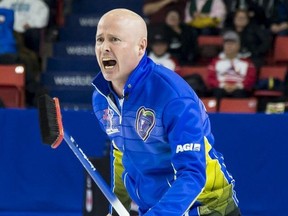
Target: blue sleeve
[
  {"x": 183, "y": 120},
  {"x": 9, "y": 16}
]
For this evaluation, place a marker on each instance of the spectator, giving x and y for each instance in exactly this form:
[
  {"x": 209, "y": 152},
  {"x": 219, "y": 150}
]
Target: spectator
[
  {"x": 8, "y": 50},
  {"x": 279, "y": 18},
  {"x": 256, "y": 11},
  {"x": 230, "y": 75},
  {"x": 156, "y": 10},
  {"x": 183, "y": 39},
  {"x": 11, "y": 53},
  {"x": 206, "y": 15},
  {"x": 31, "y": 16},
  {"x": 159, "y": 53},
  {"x": 255, "y": 41}
]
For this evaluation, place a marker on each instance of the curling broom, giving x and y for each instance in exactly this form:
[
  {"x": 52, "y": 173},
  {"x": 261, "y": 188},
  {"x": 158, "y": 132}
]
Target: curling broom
[{"x": 53, "y": 133}]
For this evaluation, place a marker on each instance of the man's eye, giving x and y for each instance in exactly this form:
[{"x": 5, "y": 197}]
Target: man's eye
[
  {"x": 99, "y": 40},
  {"x": 115, "y": 39}
]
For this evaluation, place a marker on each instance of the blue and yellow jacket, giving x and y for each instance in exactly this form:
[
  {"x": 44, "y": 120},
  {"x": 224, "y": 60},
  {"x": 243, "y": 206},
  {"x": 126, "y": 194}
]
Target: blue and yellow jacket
[{"x": 161, "y": 135}]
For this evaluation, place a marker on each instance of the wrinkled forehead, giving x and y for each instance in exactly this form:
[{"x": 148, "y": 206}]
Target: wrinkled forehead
[{"x": 114, "y": 30}]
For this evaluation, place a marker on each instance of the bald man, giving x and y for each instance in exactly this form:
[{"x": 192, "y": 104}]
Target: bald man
[{"x": 159, "y": 129}]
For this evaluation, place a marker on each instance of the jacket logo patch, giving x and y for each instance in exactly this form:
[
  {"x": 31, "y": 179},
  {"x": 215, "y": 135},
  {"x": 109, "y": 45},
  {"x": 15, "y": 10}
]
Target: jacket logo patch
[
  {"x": 188, "y": 147},
  {"x": 108, "y": 117},
  {"x": 145, "y": 122}
]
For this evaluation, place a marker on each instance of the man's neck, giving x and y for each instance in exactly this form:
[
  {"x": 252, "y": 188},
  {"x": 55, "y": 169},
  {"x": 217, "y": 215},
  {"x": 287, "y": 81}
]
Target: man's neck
[{"x": 118, "y": 88}]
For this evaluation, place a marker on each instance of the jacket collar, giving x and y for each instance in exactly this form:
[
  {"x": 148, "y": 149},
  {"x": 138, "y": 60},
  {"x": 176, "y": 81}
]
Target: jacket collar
[{"x": 140, "y": 72}]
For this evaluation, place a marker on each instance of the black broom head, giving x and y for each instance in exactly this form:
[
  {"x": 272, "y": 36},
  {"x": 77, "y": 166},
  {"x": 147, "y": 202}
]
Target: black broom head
[{"x": 50, "y": 120}]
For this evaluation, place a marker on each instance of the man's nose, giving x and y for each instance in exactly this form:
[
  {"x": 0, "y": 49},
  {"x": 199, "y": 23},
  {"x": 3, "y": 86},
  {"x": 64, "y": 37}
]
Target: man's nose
[{"x": 106, "y": 46}]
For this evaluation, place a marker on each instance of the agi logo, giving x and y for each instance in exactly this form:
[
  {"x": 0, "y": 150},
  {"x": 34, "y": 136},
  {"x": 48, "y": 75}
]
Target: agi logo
[{"x": 188, "y": 147}]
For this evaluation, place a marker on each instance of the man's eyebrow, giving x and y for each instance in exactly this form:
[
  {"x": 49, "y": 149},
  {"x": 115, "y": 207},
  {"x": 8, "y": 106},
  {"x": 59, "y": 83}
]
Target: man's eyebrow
[
  {"x": 99, "y": 35},
  {"x": 109, "y": 35}
]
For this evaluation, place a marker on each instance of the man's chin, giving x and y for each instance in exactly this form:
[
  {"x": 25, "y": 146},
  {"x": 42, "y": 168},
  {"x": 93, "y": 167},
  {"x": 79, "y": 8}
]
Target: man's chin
[{"x": 107, "y": 75}]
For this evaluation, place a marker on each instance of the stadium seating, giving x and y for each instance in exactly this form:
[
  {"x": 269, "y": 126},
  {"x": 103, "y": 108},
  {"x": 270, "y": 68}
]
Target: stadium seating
[
  {"x": 267, "y": 72},
  {"x": 74, "y": 49},
  {"x": 280, "y": 52},
  {"x": 77, "y": 34},
  {"x": 210, "y": 40},
  {"x": 209, "y": 47},
  {"x": 12, "y": 85},
  {"x": 73, "y": 88},
  {"x": 210, "y": 104},
  {"x": 72, "y": 64},
  {"x": 82, "y": 20},
  {"x": 238, "y": 105},
  {"x": 185, "y": 71},
  {"x": 98, "y": 7}
]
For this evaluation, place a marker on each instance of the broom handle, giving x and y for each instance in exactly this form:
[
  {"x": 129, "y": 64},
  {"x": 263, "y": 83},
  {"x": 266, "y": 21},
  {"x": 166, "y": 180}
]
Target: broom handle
[{"x": 111, "y": 197}]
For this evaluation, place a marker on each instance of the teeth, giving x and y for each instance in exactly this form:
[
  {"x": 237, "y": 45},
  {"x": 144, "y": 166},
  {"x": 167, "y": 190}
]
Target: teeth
[
  {"x": 108, "y": 63},
  {"x": 109, "y": 67},
  {"x": 106, "y": 59}
]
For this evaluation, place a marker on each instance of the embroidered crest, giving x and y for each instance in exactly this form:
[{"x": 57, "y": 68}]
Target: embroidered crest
[
  {"x": 145, "y": 122},
  {"x": 108, "y": 117}
]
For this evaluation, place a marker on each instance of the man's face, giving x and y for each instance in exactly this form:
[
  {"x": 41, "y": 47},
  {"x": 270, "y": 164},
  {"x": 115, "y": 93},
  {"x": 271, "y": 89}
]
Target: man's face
[
  {"x": 117, "y": 48},
  {"x": 159, "y": 48},
  {"x": 231, "y": 48}
]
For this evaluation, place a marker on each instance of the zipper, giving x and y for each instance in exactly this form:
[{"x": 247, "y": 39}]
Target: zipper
[
  {"x": 121, "y": 102},
  {"x": 110, "y": 102},
  {"x": 113, "y": 106}
]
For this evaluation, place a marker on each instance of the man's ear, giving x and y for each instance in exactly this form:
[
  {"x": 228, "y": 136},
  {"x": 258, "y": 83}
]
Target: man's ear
[{"x": 142, "y": 46}]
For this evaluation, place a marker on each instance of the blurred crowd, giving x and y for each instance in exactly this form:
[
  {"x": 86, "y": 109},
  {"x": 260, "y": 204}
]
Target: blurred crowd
[
  {"x": 182, "y": 21},
  {"x": 248, "y": 28},
  {"x": 25, "y": 25}
]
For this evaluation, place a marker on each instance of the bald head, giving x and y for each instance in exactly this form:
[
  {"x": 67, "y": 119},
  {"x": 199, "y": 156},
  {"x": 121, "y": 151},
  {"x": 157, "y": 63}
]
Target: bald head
[
  {"x": 127, "y": 19},
  {"x": 121, "y": 42}
]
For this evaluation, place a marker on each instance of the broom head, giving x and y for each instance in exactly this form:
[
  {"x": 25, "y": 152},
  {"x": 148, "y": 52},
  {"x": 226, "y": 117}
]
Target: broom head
[{"x": 50, "y": 120}]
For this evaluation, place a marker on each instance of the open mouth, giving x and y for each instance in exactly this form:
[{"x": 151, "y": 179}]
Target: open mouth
[{"x": 108, "y": 63}]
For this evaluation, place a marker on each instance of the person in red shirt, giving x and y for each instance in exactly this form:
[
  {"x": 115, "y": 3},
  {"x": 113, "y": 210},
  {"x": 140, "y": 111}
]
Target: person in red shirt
[{"x": 231, "y": 75}]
